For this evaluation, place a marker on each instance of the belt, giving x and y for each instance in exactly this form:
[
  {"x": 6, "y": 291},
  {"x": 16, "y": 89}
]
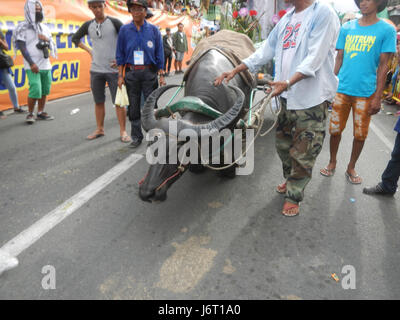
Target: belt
[{"x": 141, "y": 67}]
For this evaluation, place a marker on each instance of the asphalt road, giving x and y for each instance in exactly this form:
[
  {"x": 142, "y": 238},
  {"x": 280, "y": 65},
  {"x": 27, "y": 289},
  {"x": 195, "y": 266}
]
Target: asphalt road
[{"x": 214, "y": 238}]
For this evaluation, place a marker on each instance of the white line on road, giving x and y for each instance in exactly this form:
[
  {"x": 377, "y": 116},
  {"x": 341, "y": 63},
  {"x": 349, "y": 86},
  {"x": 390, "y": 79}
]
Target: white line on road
[
  {"x": 381, "y": 136},
  {"x": 30, "y": 235}
]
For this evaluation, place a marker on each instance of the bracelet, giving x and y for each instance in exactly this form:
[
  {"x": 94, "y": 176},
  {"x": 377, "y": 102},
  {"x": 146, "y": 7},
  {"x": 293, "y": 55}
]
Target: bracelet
[
  {"x": 288, "y": 85},
  {"x": 120, "y": 76}
]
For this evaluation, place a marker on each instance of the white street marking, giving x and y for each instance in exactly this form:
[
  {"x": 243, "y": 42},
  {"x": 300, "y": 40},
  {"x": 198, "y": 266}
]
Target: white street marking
[{"x": 30, "y": 235}]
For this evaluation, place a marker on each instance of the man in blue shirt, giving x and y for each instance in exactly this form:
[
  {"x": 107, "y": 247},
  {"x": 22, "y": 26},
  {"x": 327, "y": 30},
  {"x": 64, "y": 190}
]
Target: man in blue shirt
[
  {"x": 140, "y": 57},
  {"x": 365, "y": 47},
  {"x": 390, "y": 177},
  {"x": 303, "y": 45}
]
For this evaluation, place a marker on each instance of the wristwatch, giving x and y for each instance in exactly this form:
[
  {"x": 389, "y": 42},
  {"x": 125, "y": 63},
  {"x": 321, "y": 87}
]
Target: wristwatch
[{"x": 288, "y": 85}]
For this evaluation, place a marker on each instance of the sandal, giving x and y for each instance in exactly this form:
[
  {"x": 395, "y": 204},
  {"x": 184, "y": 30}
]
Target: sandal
[
  {"x": 290, "y": 209},
  {"x": 281, "y": 188},
  {"x": 94, "y": 136},
  {"x": 353, "y": 179},
  {"x": 125, "y": 138},
  {"x": 327, "y": 172}
]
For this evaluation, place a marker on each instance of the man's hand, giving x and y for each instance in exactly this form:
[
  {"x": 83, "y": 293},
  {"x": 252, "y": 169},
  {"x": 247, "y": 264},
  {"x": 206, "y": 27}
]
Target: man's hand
[
  {"x": 278, "y": 87},
  {"x": 226, "y": 75},
  {"x": 162, "y": 81},
  {"x": 113, "y": 63},
  {"x": 34, "y": 68},
  {"x": 120, "y": 81},
  {"x": 375, "y": 105}
]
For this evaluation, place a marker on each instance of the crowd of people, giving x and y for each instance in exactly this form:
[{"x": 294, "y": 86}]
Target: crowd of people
[{"x": 134, "y": 54}]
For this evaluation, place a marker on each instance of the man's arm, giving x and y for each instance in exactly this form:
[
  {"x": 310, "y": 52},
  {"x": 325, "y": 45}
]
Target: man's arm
[
  {"x": 78, "y": 35},
  {"x": 339, "y": 61},
  {"x": 375, "y": 105},
  {"x": 3, "y": 42},
  {"x": 22, "y": 47}
]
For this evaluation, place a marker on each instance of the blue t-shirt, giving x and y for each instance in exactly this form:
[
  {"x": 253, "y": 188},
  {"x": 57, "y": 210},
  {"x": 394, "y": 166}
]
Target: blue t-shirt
[{"x": 362, "y": 49}]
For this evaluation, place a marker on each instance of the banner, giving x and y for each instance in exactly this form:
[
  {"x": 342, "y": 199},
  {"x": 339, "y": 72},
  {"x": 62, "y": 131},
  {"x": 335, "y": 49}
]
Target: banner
[{"x": 71, "y": 71}]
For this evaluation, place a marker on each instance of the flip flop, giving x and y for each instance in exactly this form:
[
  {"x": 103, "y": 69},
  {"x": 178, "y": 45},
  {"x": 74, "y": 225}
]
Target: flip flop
[
  {"x": 327, "y": 172},
  {"x": 353, "y": 179},
  {"x": 94, "y": 136},
  {"x": 125, "y": 138},
  {"x": 281, "y": 188},
  {"x": 290, "y": 209}
]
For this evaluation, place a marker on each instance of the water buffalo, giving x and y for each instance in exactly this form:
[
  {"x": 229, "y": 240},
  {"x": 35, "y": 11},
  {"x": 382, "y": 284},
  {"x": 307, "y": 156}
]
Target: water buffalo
[{"x": 230, "y": 100}]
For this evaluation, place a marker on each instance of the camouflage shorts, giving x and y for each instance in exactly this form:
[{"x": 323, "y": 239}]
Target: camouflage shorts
[{"x": 299, "y": 138}]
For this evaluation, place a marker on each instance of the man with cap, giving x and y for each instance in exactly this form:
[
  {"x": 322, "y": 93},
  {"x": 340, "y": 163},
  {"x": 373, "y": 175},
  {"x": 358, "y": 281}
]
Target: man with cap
[
  {"x": 168, "y": 50},
  {"x": 103, "y": 32},
  {"x": 140, "y": 58},
  {"x": 365, "y": 47}
]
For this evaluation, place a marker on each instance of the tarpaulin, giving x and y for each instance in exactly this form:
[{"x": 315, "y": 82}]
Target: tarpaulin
[{"x": 71, "y": 71}]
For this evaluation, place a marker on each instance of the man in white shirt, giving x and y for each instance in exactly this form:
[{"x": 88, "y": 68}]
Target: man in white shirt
[
  {"x": 303, "y": 45},
  {"x": 34, "y": 40}
]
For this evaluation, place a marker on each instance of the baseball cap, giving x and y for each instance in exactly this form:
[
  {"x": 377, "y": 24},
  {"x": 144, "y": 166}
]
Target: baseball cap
[{"x": 142, "y": 3}]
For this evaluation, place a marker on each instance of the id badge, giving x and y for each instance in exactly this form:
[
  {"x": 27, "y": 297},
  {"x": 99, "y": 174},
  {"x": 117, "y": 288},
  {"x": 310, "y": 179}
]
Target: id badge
[{"x": 138, "y": 57}]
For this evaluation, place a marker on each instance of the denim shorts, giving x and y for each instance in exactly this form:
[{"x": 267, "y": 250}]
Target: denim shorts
[
  {"x": 98, "y": 85},
  {"x": 179, "y": 56}
]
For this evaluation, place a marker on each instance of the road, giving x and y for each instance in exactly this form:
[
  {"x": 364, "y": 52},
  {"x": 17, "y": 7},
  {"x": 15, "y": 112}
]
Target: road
[{"x": 214, "y": 238}]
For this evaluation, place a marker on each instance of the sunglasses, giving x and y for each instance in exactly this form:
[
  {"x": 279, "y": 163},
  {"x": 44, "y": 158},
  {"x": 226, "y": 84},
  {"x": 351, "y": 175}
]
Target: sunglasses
[{"x": 98, "y": 30}]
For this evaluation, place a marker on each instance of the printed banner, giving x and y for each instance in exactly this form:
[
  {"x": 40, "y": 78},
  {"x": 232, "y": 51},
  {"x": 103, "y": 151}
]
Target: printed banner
[{"x": 71, "y": 71}]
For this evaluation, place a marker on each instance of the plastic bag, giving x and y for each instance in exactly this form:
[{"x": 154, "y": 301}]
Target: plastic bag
[{"x": 121, "y": 98}]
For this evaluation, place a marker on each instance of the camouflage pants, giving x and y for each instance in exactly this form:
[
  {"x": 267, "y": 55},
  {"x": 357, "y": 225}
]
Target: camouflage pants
[{"x": 299, "y": 138}]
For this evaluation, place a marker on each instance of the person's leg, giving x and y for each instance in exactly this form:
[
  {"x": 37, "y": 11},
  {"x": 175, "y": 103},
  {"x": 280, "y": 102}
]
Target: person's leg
[
  {"x": 112, "y": 80},
  {"x": 390, "y": 176},
  {"x": 308, "y": 137},
  {"x": 169, "y": 63},
  {"x": 133, "y": 81},
  {"x": 283, "y": 143},
  {"x": 176, "y": 64},
  {"x": 8, "y": 82},
  {"x": 338, "y": 119},
  {"x": 97, "y": 84},
  {"x": 45, "y": 79},
  {"x": 361, "y": 120},
  {"x": 35, "y": 93},
  {"x": 180, "y": 66}
]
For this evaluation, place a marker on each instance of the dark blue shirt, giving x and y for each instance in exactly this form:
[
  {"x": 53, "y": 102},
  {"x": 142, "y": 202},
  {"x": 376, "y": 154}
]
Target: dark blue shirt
[
  {"x": 148, "y": 40},
  {"x": 397, "y": 127}
]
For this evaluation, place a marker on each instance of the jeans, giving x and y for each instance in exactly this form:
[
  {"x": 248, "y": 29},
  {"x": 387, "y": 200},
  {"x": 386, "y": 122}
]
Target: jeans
[
  {"x": 139, "y": 84},
  {"x": 8, "y": 82},
  {"x": 390, "y": 176}
]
